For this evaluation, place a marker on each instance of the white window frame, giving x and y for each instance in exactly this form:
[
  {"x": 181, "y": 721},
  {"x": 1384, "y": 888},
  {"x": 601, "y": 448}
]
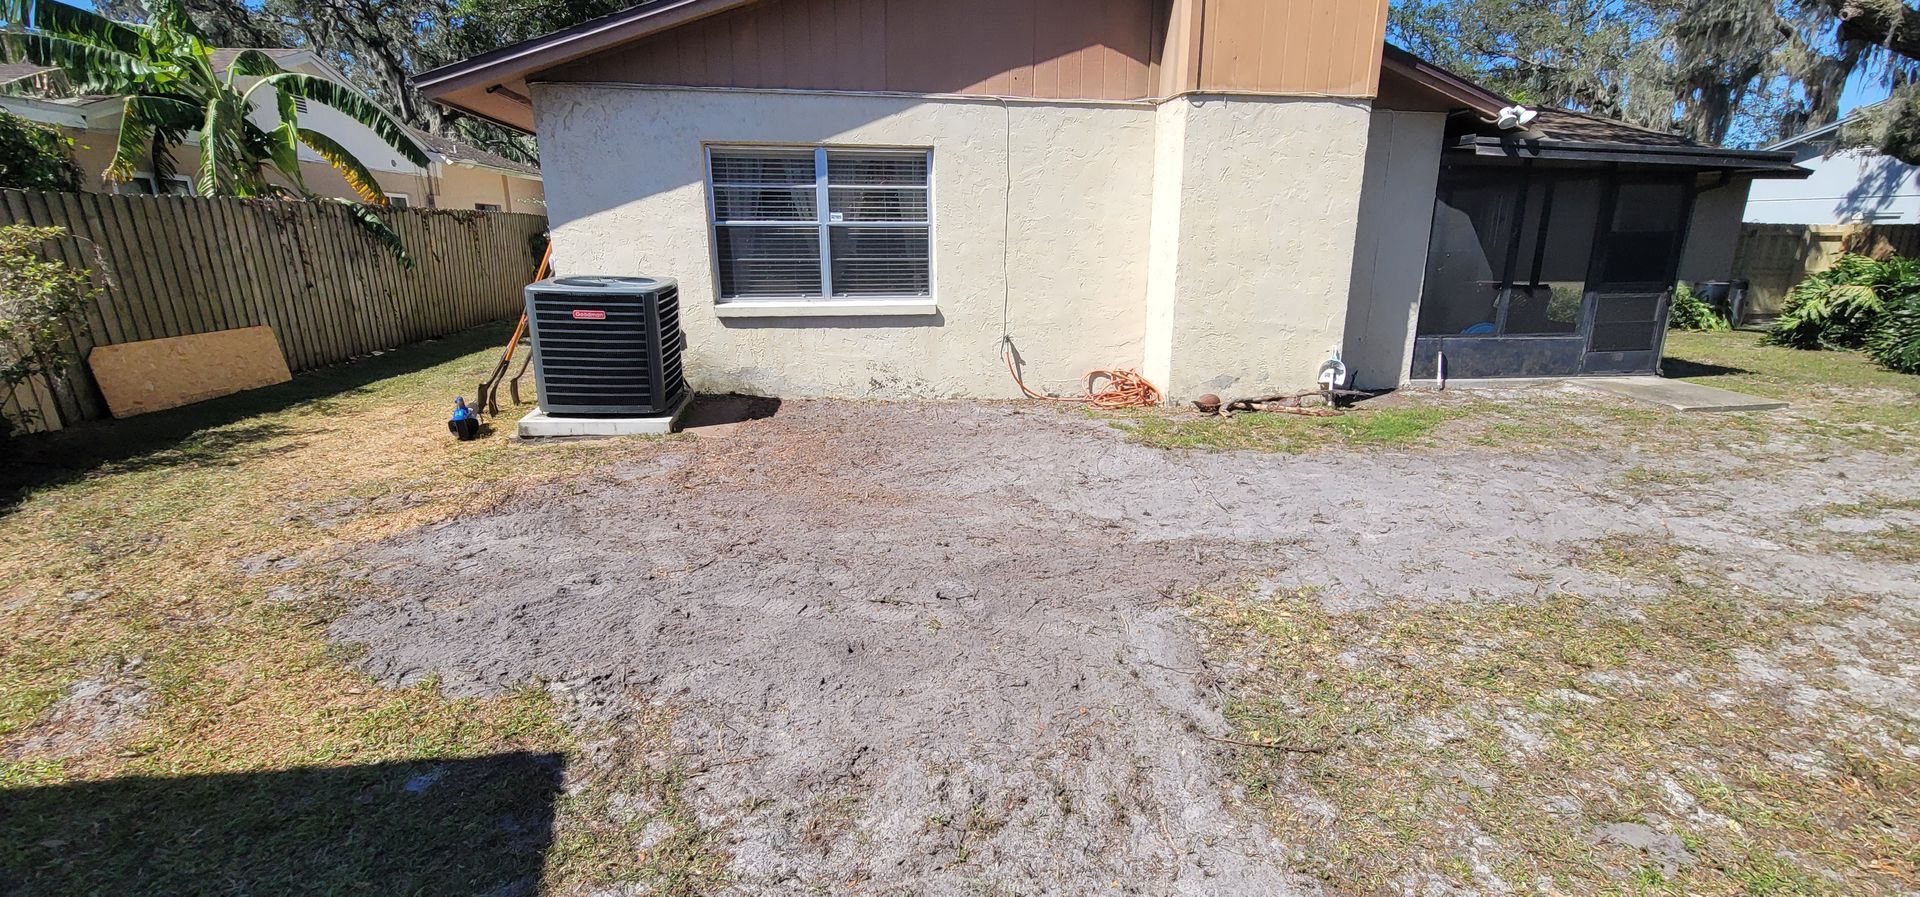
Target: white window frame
[
  {"x": 826, "y": 304},
  {"x": 155, "y": 184},
  {"x": 404, "y": 198}
]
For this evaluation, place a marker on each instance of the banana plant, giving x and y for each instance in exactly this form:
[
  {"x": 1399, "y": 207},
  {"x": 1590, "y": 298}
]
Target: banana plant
[{"x": 173, "y": 93}]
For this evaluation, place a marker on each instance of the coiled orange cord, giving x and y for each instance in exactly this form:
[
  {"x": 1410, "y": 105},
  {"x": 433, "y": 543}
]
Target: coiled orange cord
[{"x": 1119, "y": 388}]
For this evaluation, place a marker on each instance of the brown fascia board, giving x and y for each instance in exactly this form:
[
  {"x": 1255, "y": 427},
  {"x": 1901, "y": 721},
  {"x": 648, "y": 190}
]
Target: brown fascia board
[
  {"x": 1441, "y": 81},
  {"x": 515, "y": 63}
]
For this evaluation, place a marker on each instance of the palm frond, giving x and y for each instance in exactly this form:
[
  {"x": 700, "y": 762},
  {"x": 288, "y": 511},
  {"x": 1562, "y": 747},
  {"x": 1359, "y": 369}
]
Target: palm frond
[
  {"x": 136, "y": 135},
  {"x": 172, "y": 16},
  {"x": 357, "y": 176},
  {"x": 54, "y": 17},
  {"x": 85, "y": 63},
  {"x": 351, "y": 104},
  {"x": 150, "y": 126},
  {"x": 221, "y": 156},
  {"x": 252, "y": 64}
]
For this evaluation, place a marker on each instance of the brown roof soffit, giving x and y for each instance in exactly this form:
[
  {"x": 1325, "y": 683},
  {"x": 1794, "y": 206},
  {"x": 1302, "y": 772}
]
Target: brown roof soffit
[
  {"x": 515, "y": 63},
  {"x": 1441, "y": 81}
]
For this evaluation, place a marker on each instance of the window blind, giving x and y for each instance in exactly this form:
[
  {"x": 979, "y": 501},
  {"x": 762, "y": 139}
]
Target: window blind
[{"x": 817, "y": 223}]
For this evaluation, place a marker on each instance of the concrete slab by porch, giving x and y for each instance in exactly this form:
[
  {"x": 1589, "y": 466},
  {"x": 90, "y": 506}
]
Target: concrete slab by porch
[{"x": 1679, "y": 395}]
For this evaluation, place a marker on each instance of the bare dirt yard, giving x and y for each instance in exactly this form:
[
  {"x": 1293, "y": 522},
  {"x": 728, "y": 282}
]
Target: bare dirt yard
[{"x": 1535, "y": 641}]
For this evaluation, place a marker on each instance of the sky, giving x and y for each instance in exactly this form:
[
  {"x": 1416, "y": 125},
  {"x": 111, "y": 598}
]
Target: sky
[{"x": 1862, "y": 89}]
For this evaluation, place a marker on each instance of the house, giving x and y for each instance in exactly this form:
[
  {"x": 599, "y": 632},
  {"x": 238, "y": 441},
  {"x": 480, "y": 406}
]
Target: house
[
  {"x": 898, "y": 197},
  {"x": 461, "y": 177},
  {"x": 1845, "y": 187}
]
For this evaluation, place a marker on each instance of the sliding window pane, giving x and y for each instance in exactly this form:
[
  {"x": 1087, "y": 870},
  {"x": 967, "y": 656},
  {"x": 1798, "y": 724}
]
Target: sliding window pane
[
  {"x": 870, "y": 261},
  {"x": 763, "y": 168},
  {"x": 768, "y": 262}
]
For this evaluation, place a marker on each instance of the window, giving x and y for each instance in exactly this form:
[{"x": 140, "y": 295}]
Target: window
[
  {"x": 144, "y": 184},
  {"x": 817, "y": 223},
  {"x": 486, "y": 206},
  {"x": 397, "y": 200}
]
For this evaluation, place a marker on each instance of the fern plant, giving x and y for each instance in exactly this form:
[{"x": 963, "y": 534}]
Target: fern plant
[
  {"x": 1690, "y": 312},
  {"x": 1839, "y": 308},
  {"x": 1895, "y": 343}
]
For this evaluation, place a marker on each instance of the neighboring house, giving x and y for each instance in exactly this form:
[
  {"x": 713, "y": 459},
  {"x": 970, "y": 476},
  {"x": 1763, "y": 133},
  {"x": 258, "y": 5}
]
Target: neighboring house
[
  {"x": 1846, "y": 186},
  {"x": 866, "y": 198},
  {"x": 461, "y": 177}
]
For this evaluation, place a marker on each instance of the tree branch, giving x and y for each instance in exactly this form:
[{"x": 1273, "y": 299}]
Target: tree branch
[{"x": 1887, "y": 23}]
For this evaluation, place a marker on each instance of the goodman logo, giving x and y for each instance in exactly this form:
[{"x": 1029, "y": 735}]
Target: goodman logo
[{"x": 589, "y": 314}]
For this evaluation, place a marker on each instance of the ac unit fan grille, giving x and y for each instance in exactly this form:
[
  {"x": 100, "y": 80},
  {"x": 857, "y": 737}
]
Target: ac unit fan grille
[{"x": 614, "y": 353}]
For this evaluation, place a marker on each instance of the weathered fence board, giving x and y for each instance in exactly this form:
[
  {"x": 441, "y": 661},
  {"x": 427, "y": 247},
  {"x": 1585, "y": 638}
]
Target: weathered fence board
[
  {"x": 1774, "y": 257},
  {"x": 174, "y": 266}
]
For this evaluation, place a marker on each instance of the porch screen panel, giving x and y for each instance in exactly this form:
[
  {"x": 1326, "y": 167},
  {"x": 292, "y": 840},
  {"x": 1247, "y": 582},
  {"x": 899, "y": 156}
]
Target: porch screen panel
[
  {"x": 1644, "y": 244},
  {"x": 1556, "y": 245},
  {"x": 1473, "y": 231}
]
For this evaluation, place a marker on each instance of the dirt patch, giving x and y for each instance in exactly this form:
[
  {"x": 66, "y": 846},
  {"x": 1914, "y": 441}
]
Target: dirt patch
[
  {"x": 931, "y": 648},
  {"x": 93, "y": 712}
]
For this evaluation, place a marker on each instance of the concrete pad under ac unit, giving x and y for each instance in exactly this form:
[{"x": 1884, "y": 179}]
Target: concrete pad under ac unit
[{"x": 541, "y": 425}]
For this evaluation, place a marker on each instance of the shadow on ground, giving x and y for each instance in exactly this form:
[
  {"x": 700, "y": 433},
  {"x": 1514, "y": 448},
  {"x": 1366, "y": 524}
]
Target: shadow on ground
[
  {"x": 168, "y": 438},
  {"x": 1681, "y": 368},
  {"x": 453, "y": 827}
]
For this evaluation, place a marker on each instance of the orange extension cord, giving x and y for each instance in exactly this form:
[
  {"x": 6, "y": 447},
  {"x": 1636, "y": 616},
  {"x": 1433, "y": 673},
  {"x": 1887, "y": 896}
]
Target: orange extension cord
[{"x": 1123, "y": 388}]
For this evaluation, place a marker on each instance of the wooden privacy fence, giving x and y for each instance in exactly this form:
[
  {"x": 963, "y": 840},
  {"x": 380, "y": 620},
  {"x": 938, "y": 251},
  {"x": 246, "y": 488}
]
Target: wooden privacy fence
[
  {"x": 1774, "y": 257},
  {"x": 174, "y": 266}
]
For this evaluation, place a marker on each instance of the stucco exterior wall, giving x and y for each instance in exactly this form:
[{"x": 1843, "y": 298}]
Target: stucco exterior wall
[
  {"x": 1390, "y": 254},
  {"x": 1040, "y": 212},
  {"x": 1268, "y": 198},
  {"x": 1713, "y": 234}
]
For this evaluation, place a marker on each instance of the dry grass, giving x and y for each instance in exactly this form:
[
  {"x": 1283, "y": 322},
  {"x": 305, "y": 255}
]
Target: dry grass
[
  {"x": 1480, "y": 745},
  {"x": 173, "y": 557},
  {"x": 174, "y": 561}
]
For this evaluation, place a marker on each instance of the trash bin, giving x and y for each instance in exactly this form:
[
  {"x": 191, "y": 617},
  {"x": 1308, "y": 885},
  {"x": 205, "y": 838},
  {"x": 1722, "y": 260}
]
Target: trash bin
[{"x": 1719, "y": 296}]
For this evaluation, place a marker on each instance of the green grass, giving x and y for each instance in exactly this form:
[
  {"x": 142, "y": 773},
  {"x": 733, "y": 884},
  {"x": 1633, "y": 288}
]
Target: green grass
[
  {"x": 1264, "y": 432},
  {"x": 1840, "y": 399}
]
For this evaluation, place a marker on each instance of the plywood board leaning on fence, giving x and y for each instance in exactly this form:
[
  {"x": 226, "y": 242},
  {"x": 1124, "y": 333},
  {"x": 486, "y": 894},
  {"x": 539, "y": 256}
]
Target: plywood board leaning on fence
[{"x": 151, "y": 375}]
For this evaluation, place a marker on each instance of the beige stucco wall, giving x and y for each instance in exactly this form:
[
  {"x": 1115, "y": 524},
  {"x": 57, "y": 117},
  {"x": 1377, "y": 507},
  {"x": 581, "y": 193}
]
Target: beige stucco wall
[
  {"x": 1390, "y": 254},
  {"x": 1714, "y": 233},
  {"x": 1056, "y": 195},
  {"x": 1256, "y": 275}
]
